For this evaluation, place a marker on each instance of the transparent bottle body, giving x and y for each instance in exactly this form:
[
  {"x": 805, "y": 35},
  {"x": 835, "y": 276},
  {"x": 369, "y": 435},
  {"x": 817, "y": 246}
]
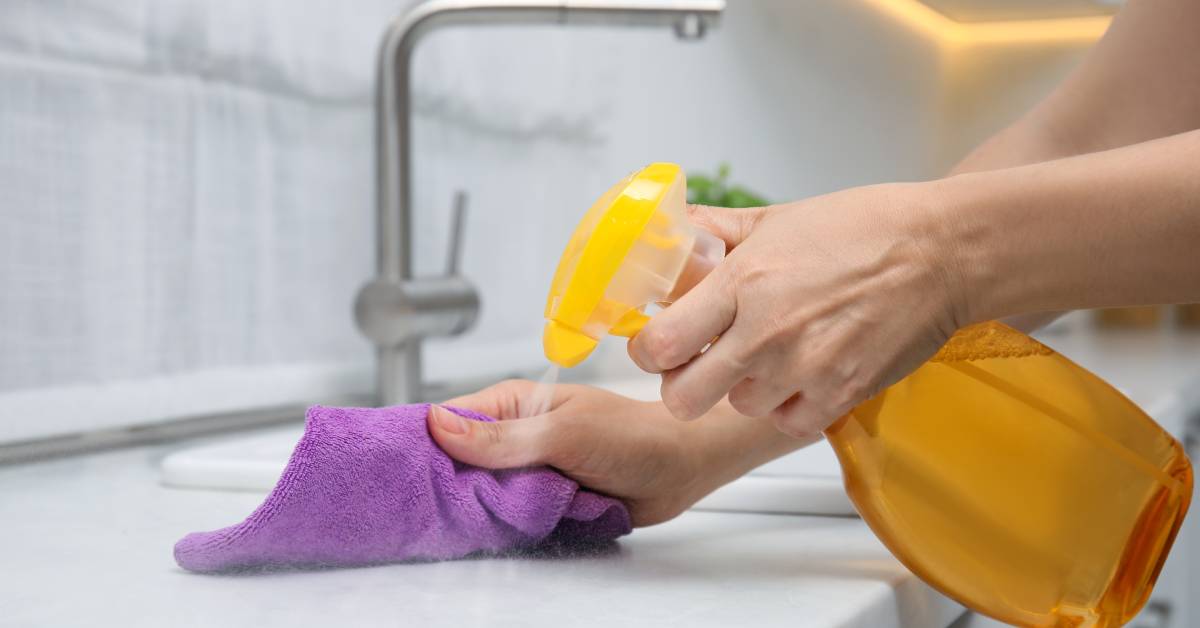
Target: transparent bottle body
[{"x": 1017, "y": 482}]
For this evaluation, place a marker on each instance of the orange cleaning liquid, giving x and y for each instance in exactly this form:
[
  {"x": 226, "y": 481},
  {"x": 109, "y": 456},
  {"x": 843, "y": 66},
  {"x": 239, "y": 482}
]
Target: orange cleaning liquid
[{"x": 1017, "y": 482}]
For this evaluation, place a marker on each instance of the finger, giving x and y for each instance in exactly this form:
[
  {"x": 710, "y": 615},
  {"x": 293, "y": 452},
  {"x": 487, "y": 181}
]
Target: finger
[
  {"x": 832, "y": 388},
  {"x": 731, "y": 225},
  {"x": 676, "y": 334},
  {"x": 693, "y": 389},
  {"x": 500, "y": 401},
  {"x": 794, "y": 417},
  {"x": 804, "y": 414},
  {"x": 758, "y": 396},
  {"x": 499, "y": 445}
]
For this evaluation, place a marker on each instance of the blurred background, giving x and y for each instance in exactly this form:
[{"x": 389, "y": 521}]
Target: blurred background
[
  {"x": 187, "y": 204},
  {"x": 187, "y": 191}
]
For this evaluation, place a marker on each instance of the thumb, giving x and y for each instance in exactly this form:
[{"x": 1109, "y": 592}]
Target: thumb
[
  {"x": 729, "y": 224},
  {"x": 498, "y": 445},
  {"x": 501, "y": 401}
]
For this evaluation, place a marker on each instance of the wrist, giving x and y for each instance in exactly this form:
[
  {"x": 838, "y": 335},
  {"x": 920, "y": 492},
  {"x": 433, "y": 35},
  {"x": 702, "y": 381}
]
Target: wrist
[
  {"x": 957, "y": 232},
  {"x": 727, "y": 445},
  {"x": 929, "y": 219},
  {"x": 712, "y": 463}
]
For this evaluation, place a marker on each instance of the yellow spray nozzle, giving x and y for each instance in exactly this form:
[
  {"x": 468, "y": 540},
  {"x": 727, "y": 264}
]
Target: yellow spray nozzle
[
  {"x": 564, "y": 346},
  {"x": 630, "y": 324},
  {"x": 627, "y": 252}
]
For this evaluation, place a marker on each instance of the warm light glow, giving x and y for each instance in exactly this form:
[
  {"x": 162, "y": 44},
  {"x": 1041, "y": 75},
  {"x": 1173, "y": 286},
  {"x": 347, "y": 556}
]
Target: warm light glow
[{"x": 922, "y": 18}]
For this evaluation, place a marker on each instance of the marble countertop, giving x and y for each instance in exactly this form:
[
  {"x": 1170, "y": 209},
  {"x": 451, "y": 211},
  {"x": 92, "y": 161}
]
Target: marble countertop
[{"x": 87, "y": 541}]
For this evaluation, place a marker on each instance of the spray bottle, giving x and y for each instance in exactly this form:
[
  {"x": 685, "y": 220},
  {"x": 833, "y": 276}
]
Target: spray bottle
[{"x": 999, "y": 472}]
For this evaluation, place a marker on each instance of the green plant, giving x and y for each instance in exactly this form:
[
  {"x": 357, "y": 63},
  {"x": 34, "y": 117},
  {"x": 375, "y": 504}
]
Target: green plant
[{"x": 718, "y": 192}]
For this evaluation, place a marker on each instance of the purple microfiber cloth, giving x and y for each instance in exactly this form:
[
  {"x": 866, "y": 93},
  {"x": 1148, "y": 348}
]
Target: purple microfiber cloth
[{"x": 369, "y": 485}]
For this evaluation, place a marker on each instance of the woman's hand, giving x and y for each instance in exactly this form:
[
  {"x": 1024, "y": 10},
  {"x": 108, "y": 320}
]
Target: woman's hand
[
  {"x": 629, "y": 449},
  {"x": 632, "y": 450},
  {"x": 820, "y": 304}
]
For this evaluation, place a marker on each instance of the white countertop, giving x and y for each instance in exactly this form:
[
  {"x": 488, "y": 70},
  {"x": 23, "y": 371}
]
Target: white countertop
[
  {"x": 87, "y": 541},
  {"x": 1157, "y": 369}
]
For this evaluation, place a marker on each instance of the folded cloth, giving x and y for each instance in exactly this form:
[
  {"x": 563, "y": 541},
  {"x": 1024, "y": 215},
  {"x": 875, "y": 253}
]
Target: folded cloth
[{"x": 369, "y": 485}]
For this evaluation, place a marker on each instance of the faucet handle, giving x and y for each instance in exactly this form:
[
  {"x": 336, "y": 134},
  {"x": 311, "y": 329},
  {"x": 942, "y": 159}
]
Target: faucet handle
[
  {"x": 457, "y": 218},
  {"x": 392, "y": 312}
]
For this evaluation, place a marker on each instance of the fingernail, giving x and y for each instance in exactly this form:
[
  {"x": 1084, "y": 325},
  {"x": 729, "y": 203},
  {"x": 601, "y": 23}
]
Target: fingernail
[{"x": 448, "y": 421}]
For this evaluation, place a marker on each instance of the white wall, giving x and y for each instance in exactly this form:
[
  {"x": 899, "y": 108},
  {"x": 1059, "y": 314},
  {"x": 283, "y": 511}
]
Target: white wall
[
  {"x": 801, "y": 98},
  {"x": 186, "y": 187}
]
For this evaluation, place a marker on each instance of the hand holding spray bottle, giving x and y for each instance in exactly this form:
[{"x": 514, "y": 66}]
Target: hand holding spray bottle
[{"x": 1000, "y": 472}]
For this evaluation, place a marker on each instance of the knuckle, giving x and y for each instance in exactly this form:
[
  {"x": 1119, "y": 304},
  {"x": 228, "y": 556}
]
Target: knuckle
[
  {"x": 752, "y": 274},
  {"x": 762, "y": 347},
  {"x": 796, "y": 424},
  {"x": 838, "y": 382},
  {"x": 661, "y": 346},
  {"x": 740, "y": 272},
  {"x": 742, "y": 405},
  {"x": 491, "y": 433},
  {"x": 851, "y": 387},
  {"x": 745, "y": 400},
  {"x": 746, "y": 407},
  {"x": 696, "y": 210},
  {"x": 742, "y": 359},
  {"x": 798, "y": 416}
]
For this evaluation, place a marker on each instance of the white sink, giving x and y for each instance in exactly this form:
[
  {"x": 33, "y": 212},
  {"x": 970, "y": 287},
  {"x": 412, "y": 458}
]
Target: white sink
[{"x": 806, "y": 482}]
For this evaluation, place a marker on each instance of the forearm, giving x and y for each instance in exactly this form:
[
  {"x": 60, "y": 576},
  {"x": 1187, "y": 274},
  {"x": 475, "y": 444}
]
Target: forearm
[
  {"x": 1139, "y": 82},
  {"x": 730, "y": 445},
  {"x": 1119, "y": 227},
  {"x": 1146, "y": 54},
  {"x": 1032, "y": 139}
]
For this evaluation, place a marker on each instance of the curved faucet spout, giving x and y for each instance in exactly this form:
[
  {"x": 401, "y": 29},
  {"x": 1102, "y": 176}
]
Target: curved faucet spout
[{"x": 399, "y": 362}]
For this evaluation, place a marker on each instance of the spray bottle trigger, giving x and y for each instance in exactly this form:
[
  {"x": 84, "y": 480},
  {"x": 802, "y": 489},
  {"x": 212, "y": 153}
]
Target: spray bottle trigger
[{"x": 630, "y": 324}]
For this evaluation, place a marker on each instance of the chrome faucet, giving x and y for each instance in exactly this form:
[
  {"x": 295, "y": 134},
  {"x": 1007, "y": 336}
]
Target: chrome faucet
[{"x": 396, "y": 310}]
